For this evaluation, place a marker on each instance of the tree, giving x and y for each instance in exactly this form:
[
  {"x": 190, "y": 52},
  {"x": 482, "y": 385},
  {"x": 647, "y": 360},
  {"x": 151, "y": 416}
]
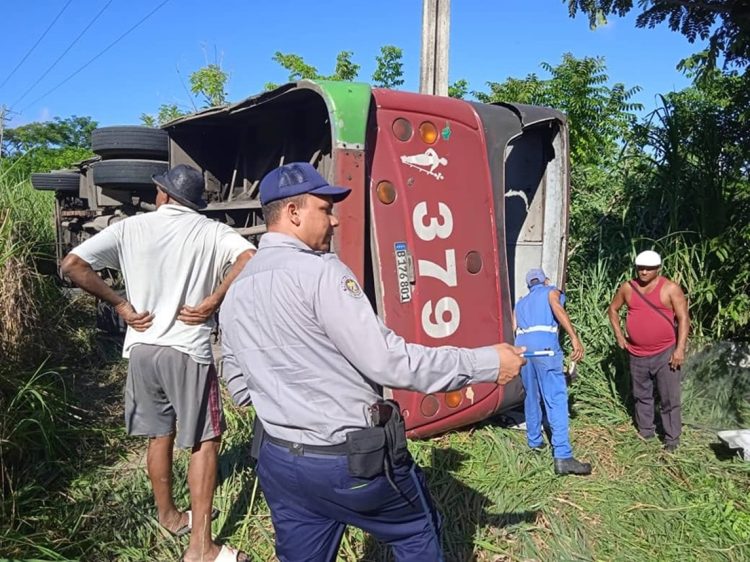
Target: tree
[
  {"x": 167, "y": 112},
  {"x": 296, "y": 66},
  {"x": 210, "y": 81},
  {"x": 600, "y": 115},
  {"x": 693, "y": 193},
  {"x": 48, "y": 145},
  {"x": 389, "y": 71},
  {"x": 346, "y": 70},
  {"x": 724, "y": 23},
  {"x": 73, "y": 132},
  {"x": 691, "y": 185},
  {"x": 459, "y": 89}
]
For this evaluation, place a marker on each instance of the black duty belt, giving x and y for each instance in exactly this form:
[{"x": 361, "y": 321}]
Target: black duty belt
[{"x": 301, "y": 448}]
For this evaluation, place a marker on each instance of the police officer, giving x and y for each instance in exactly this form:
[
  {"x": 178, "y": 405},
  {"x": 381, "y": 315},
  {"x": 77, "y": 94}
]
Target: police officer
[
  {"x": 536, "y": 318},
  {"x": 298, "y": 325}
]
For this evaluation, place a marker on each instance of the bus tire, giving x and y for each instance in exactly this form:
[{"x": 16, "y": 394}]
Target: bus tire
[
  {"x": 127, "y": 174},
  {"x": 56, "y": 181},
  {"x": 130, "y": 142}
]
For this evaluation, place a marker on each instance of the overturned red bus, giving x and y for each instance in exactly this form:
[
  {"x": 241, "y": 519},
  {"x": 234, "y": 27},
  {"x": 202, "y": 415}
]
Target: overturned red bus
[{"x": 452, "y": 201}]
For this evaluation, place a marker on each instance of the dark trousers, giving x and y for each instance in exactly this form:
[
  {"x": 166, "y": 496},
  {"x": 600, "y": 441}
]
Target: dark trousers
[
  {"x": 312, "y": 498},
  {"x": 643, "y": 371}
]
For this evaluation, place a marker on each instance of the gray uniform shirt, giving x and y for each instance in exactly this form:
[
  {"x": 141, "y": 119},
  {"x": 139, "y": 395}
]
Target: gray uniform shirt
[{"x": 299, "y": 328}]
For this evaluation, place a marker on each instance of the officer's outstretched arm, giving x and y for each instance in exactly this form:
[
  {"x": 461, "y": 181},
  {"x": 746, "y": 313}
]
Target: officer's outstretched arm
[{"x": 381, "y": 355}]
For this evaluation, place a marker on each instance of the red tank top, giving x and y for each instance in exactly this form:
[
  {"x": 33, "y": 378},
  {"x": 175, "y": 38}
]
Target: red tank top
[{"x": 649, "y": 332}]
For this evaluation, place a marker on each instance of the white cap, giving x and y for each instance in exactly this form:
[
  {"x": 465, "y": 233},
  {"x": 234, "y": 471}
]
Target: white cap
[{"x": 649, "y": 258}]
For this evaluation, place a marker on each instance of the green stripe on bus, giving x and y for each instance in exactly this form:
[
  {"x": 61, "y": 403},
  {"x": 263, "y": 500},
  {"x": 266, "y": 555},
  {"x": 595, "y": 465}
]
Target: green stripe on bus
[{"x": 348, "y": 105}]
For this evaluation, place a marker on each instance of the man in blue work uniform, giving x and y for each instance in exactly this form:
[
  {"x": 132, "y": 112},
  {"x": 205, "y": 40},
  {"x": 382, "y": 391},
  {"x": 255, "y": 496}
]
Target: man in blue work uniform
[
  {"x": 537, "y": 318},
  {"x": 313, "y": 353}
]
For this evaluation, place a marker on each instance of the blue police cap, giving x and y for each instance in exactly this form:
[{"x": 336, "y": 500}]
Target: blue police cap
[
  {"x": 535, "y": 274},
  {"x": 297, "y": 178}
]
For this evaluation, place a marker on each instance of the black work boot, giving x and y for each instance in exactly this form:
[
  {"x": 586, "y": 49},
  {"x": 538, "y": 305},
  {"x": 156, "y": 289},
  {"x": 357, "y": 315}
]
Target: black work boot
[{"x": 572, "y": 466}]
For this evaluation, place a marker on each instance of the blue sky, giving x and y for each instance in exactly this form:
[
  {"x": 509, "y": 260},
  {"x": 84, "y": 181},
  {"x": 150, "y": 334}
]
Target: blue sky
[{"x": 490, "y": 41}]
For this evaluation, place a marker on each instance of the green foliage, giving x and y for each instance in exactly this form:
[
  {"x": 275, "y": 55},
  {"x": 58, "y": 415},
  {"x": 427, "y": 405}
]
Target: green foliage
[
  {"x": 389, "y": 72},
  {"x": 346, "y": 70},
  {"x": 296, "y": 66},
  {"x": 37, "y": 415},
  {"x": 459, "y": 89},
  {"x": 167, "y": 113},
  {"x": 599, "y": 115},
  {"x": 499, "y": 502},
  {"x": 45, "y": 146},
  {"x": 210, "y": 82},
  {"x": 724, "y": 23},
  {"x": 73, "y": 132},
  {"x": 530, "y": 90},
  {"x": 689, "y": 188},
  {"x": 298, "y": 69}
]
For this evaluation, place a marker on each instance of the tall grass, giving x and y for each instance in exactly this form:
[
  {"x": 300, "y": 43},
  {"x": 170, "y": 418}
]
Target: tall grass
[
  {"x": 39, "y": 422},
  {"x": 499, "y": 502},
  {"x": 73, "y": 491},
  {"x": 26, "y": 235}
]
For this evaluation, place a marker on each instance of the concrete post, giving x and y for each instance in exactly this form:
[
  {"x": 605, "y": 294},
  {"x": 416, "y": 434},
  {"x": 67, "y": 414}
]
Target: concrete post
[{"x": 433, "y": 74}]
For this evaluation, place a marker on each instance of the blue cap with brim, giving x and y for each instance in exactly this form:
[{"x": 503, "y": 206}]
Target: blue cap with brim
[
  {"x": 297, "y": 178},
  {"x": 536, "y": 274}
]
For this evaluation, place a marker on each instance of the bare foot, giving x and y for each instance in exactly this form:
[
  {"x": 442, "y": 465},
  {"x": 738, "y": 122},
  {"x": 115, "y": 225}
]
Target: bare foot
[{"x": 176, "y": 522}]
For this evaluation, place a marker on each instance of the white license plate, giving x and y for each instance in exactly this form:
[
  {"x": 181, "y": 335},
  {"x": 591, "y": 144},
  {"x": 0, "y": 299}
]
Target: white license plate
[{"x": 403, "y": 264}]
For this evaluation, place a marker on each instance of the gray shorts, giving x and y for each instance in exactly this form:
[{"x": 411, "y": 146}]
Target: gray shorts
[{"x": 167, "y": 390}]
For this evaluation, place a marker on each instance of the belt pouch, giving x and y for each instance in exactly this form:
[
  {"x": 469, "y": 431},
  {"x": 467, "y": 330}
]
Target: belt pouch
[
  {"x": 366, "y": 452},
  {"x": 395, "y": 431}
]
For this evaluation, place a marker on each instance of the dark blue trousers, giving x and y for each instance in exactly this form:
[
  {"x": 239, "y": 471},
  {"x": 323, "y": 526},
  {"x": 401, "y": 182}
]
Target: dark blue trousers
[{"x": 312, "y": 498}]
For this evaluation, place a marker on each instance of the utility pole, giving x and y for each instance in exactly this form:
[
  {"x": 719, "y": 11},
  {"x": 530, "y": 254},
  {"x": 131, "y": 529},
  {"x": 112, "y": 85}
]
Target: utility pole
[{"x": 433, "y": 73}]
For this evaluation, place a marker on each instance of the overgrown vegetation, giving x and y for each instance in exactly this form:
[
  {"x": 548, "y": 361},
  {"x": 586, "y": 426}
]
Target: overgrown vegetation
[
  {"x": 500, "y": 502},
  {"x": 43, "y": 350},
  {"x": 676, "y": 181}
]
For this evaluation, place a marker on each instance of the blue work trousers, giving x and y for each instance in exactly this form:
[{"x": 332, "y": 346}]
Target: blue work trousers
[
  {"x": 543, "y": 380},
  {"x": 312, "y": 498}
]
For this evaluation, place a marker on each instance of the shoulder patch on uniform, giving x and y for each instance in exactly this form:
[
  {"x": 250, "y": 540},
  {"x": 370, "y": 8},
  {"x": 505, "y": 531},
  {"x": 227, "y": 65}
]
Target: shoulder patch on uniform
[{"x": 350, "y": 286}]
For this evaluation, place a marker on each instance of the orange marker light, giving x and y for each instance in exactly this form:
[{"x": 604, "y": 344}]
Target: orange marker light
[
  {"x": 386, "y": 192},
  {"x": 428, "y": 132},
  {"x": 454, "y": 399},
  {"x": 402, "y": 129}
]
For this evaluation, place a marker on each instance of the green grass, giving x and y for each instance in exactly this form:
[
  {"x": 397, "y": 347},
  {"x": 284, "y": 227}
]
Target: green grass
[
  {"x": 499, "y": 501},
  {"x": 74, "y": 486}
]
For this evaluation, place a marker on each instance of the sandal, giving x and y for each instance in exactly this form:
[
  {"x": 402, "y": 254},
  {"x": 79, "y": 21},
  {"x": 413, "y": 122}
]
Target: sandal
[{"x": 228, "y": 554}]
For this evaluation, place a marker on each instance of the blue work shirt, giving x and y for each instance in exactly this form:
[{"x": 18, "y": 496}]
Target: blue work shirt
[
  {"x": 298, "y": 326},
  {"x": 536, "y": 326}
]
